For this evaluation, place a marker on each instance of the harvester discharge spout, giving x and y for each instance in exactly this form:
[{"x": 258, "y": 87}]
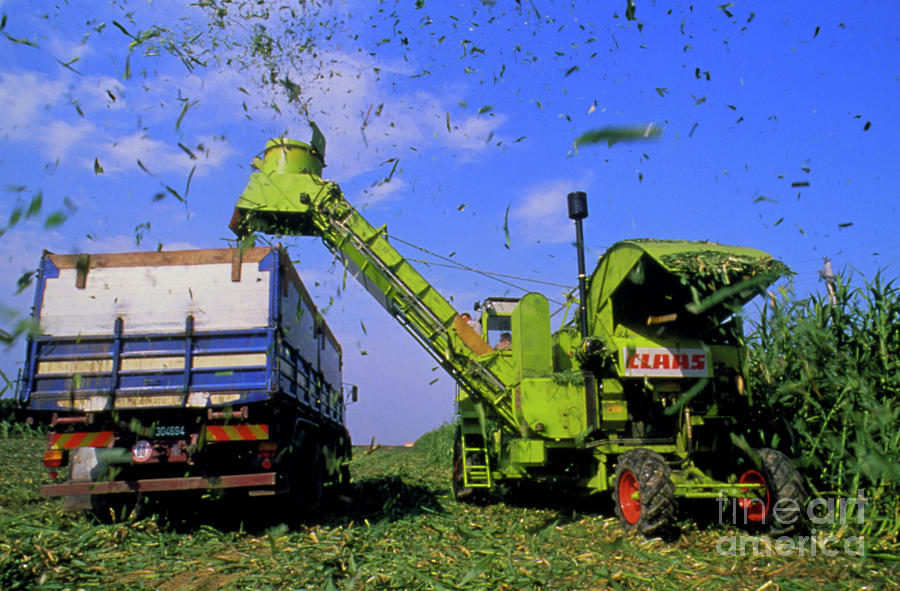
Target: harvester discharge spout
[
  {"x": 284, "y": 190},
  {"x": 287, "y": 196}
]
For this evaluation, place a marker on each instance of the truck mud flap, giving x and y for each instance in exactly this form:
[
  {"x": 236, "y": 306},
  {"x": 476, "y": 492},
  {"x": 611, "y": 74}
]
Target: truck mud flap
[{"x": 159, "y": 485}]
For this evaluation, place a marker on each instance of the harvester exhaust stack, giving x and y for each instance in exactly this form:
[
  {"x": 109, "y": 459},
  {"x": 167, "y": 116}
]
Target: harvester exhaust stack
[{"x": 578, "y": 211}]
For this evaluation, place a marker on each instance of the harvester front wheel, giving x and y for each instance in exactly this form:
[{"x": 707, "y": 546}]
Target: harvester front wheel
[
  {"x": 784, "y": 489},
  {"x": 644, "y": 494}
]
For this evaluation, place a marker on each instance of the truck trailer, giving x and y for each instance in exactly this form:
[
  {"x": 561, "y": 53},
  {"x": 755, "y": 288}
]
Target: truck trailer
[{"x": 190, "y": 370}]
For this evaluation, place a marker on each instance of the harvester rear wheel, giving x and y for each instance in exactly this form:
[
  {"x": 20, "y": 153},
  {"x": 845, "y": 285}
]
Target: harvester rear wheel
[
  {"x": 644, "y": 495},
  {"x": 784, "y": 489}
]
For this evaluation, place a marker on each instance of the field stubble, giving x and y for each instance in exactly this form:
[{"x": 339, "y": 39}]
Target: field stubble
[{"x": 399, "y": 528}]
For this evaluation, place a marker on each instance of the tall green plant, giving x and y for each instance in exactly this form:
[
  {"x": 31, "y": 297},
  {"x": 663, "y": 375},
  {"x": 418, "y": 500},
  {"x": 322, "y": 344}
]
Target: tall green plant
[{"x": 831, "y": 373}]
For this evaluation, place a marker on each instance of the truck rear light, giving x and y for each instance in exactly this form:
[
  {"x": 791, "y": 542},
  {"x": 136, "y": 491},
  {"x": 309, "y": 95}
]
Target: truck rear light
[
  {"x": 267, "y": 464},
  {"x": 54, "y": 458}
]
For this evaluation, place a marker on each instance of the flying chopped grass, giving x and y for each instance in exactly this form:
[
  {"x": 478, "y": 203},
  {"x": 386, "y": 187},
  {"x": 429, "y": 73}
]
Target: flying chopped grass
[
  {"x": 506, "y": 227},
  {"x": 630, "y": 9},
  {"x": 34, "y": 207},
  {"x": 187, "y": 105},
  {"x": 187, "y": 151},
  {"x": 24, "y": 281},
  {"x": 55, "y": 219},
  {"x": 615, "y": 134},
  {"x": 142, "y": 167}
]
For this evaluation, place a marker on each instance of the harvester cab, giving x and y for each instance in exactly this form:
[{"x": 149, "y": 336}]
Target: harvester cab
[{"x": 496, "y": 318}]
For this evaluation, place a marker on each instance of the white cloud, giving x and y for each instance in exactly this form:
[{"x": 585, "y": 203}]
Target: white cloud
[
  {"x": 66, "y": 50},
  {"x": 161, "y": 157},
  {"x": 93, "y": 94},
  {"x": 59, "y": 137},
  {"x": 381, "y": 192},
  {"x": 25, "y": 97},
  {"x": 32, "y": 114},
  {"x": 542, "y": 212},
  {"x": 352, "y": 91}
]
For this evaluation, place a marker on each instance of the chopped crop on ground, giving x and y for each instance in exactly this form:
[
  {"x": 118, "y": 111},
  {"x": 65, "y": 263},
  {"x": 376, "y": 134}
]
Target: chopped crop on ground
[{"x": 398, "y": 528}]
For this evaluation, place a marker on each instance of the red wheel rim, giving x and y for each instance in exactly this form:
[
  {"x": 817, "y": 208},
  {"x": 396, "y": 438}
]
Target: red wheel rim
[
  {"x": 755, "y": 509},
  {"x": 629, "y": 500}
]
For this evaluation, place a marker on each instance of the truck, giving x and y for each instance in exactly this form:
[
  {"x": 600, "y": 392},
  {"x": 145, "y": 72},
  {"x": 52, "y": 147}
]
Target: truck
[
  {"x": 641, "y": 392},
  {"x": 194, "y": 370}
]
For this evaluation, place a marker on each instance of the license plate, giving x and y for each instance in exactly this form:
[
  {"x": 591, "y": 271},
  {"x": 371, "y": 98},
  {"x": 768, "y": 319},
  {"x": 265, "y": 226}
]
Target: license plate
[{"x": 169, "y": 431}]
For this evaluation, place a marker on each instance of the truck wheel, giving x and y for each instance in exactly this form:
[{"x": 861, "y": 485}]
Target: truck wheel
[
  {"x": 784, "y": 490},
  {"x": 315, "y": 486},
  {"x": 644, "y": 495}
]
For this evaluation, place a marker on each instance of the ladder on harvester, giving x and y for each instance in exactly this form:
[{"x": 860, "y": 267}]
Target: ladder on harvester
[{"x": 476, "y": 467}]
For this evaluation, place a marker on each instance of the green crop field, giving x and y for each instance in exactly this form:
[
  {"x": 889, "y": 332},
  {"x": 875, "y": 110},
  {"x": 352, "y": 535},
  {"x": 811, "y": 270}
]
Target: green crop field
[
  {"x": 824, "y": 379},
  {"x": 398, "y": 528}
]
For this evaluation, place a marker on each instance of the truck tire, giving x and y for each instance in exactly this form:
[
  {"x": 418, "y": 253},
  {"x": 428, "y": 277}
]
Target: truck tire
[
  {"x": 644, "y": 495},
  {"x": 784, "y": 489},
  {"x": 306, "y": 479},
  {"x": 314, "y": 487}
]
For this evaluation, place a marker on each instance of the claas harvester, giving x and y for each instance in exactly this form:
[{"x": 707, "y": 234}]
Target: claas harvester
[{"x": 641, "y": 393}]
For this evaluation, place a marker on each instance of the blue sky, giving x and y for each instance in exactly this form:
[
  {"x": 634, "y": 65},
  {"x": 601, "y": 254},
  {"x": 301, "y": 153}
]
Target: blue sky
[{"x": 779, "y": 133}]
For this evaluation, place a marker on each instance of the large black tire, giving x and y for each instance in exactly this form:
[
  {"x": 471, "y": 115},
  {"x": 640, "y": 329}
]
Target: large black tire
[
  {"x": 783, "y": 509},
  {"x": 644, "y": 495},
  {"x": 314, "y": 486}
]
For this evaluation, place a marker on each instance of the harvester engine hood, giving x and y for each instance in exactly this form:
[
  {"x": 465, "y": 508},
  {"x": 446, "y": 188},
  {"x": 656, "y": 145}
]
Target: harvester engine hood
[{"x": 682, "y": 288}]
